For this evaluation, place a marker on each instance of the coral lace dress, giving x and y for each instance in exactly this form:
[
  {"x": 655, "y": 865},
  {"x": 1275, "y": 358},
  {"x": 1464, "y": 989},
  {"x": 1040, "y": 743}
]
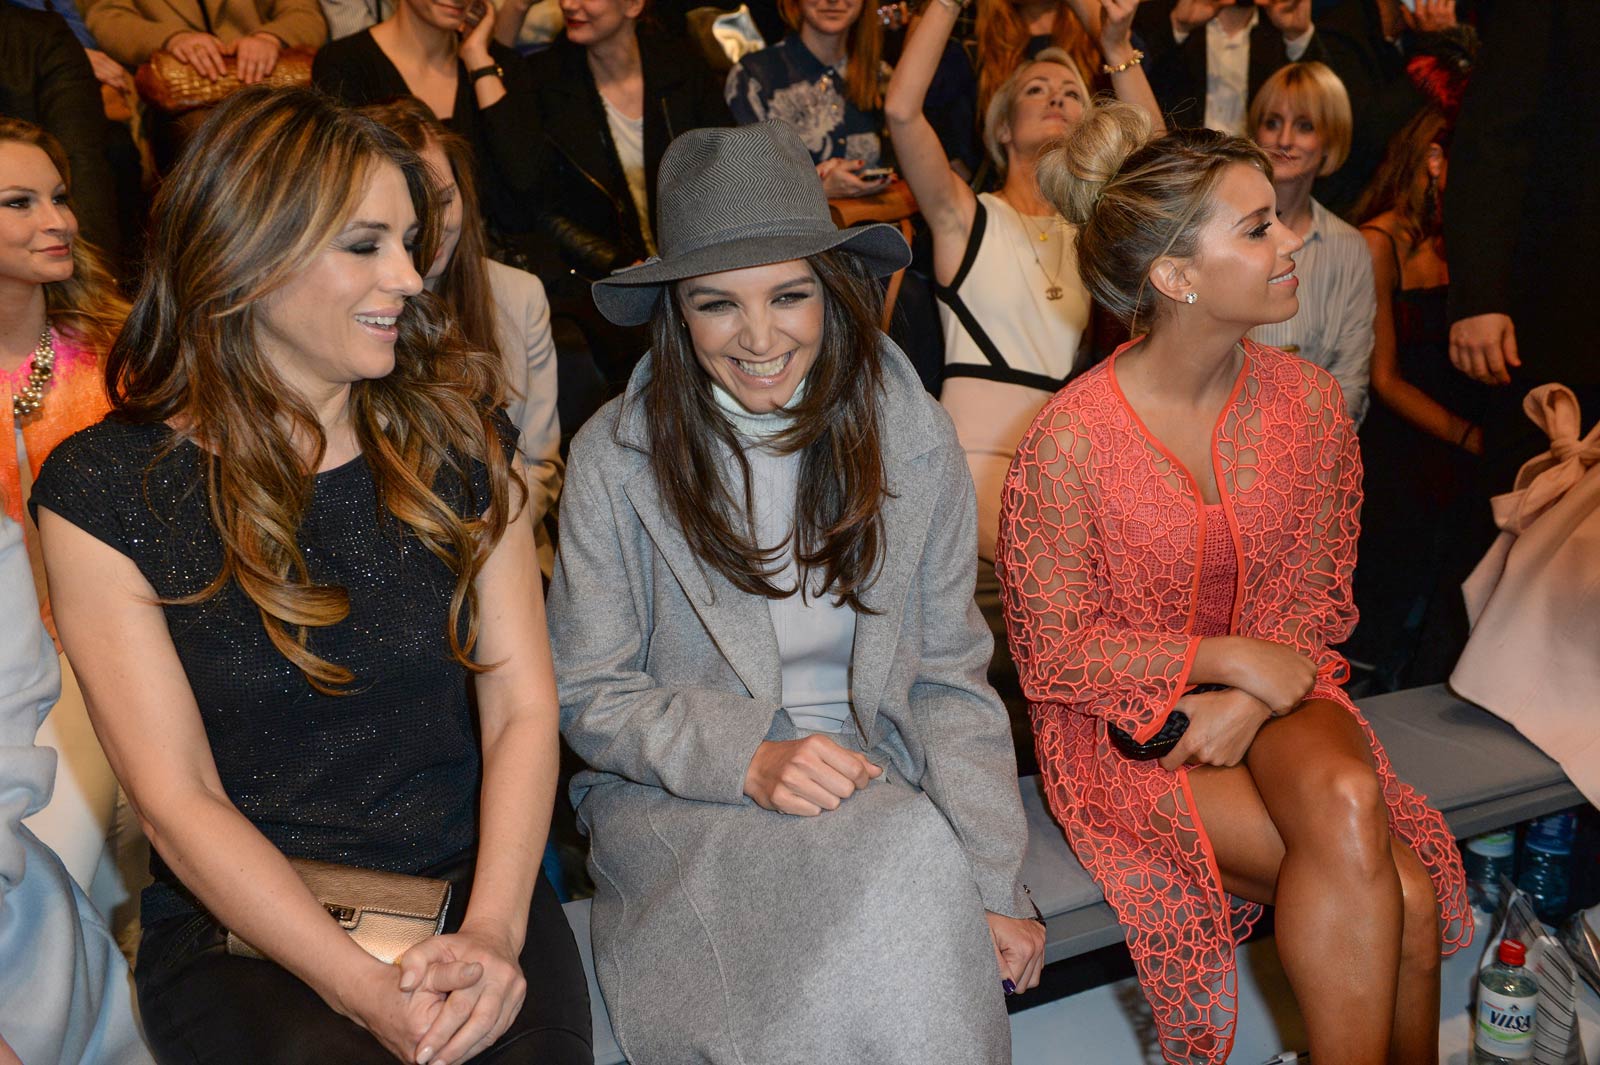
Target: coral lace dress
[{"x": 1112, "y": 569}]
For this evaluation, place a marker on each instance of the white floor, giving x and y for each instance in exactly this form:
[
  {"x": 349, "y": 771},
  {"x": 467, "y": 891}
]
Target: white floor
[{"x": 1107, "y": 1025}]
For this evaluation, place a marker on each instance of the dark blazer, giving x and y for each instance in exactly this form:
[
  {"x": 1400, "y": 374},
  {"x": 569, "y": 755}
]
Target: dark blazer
[
  {"x": 1177, "y": 72},
  {"x": 46, "y": 79},
  {"x": 1522, "y": 211},
  {"x": 357, "y": 71},
  {"x": 588, "y": 223}
]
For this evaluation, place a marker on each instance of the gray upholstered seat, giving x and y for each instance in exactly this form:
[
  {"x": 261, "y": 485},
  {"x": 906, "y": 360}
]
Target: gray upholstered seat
[{"x": 1473, "y": 767}]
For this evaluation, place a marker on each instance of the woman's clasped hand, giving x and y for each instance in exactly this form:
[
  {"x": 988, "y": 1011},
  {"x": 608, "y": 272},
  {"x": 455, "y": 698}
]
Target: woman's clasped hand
[
  {"x": 465, "y": 990},
  {"x": 806, "y": 776},
  {"x": 1265, "y": 680}
]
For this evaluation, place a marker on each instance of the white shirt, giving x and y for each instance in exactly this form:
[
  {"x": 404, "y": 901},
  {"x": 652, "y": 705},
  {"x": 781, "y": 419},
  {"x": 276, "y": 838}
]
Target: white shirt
[
  {"x": 628, "y": 135},
  {"x": 1228, "y": 71}
]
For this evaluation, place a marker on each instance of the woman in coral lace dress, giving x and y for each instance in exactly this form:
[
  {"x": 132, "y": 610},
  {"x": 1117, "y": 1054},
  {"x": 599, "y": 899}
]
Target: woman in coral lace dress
[{"x": 1186, "y": 514}]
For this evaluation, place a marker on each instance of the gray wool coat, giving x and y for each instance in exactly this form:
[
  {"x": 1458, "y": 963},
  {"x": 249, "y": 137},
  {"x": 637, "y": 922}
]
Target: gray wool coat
[{"x": 728, "y": 933}]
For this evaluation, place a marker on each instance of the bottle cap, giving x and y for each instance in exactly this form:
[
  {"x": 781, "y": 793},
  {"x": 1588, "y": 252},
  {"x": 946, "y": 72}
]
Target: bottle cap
[{"x": 1512, "y": 952}]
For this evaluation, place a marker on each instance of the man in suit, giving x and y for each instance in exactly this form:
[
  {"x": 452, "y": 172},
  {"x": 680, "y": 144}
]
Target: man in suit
[
  {"x": 203, "y": 32},
  {"x": 1207, "y": 58},
  {"x": 1522, "y": 216}
]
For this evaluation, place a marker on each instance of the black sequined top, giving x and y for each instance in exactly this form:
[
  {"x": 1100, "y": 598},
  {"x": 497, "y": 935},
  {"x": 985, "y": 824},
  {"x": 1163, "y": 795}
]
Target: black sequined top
[{"x": 384, "y": 778}]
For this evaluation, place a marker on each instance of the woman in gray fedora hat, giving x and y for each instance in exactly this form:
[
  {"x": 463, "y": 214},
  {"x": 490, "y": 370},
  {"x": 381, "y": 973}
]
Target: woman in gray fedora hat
[{"x": 802, "y": 796}]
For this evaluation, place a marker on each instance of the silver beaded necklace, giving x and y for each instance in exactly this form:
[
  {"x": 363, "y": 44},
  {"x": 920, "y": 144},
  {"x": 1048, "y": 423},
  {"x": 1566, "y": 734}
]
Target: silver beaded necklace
[{"x": 30, "y": 398}]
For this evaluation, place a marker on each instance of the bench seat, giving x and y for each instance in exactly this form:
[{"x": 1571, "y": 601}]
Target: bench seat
[{"x": 1473, "y": 767}]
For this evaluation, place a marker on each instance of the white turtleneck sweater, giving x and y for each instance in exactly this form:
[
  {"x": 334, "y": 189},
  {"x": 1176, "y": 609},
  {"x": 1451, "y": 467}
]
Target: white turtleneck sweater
[{"x": 816, "y": 638}]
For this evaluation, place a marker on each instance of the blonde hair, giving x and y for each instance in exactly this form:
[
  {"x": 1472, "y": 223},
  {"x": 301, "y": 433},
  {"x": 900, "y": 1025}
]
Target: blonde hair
[
  {"x": 998, "y": 112},
  {"x": 864, "y": 48},
  {"x": 1311, "y": 89},
  {"x": 1003, "y": 46},
  {"x": 86, "y": 306},
  {"x": 1136, "y": 199},
  {"x": 260, "y": 190}
]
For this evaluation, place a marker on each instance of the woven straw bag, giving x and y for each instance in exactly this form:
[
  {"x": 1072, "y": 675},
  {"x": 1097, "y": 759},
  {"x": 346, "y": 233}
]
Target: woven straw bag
[{"x": 171, "y": 85}]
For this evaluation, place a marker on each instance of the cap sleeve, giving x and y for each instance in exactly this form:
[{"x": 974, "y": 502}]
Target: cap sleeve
[{"x": 83, "y": 481}]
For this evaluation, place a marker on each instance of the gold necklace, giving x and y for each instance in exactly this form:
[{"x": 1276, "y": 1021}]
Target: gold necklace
[
  {"x": 1054, "y": 291},
  {"x": 30, "y": 398}
]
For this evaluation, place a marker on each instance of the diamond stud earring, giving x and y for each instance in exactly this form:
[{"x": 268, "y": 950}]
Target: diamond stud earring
[{"x": 1190, "y": 297}]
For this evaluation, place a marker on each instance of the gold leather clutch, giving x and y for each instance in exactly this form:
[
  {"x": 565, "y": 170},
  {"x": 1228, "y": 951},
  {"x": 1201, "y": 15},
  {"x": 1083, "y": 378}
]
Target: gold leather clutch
[
  {"x": 385, "y": 913},
  {"x": 168, "y": 83}
]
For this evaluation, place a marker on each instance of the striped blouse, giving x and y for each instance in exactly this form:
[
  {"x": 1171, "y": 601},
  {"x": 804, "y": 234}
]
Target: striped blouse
[{"x": 1338, "y": 302}]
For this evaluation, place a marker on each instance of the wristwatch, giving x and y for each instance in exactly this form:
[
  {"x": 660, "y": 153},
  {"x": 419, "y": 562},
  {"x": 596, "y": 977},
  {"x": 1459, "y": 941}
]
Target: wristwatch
[{"x": 484, "y": 72}]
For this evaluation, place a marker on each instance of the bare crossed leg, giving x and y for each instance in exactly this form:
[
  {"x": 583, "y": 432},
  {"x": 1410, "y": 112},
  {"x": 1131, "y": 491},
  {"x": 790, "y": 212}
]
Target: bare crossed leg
[{"x": 1302, "y": 826}]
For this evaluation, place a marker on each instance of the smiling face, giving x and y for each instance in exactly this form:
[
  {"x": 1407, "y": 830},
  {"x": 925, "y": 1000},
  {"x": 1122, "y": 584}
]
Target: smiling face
[
  {"x": 1047, "y": 105},
  {"x": 444, "y": 176},
  {"x": 334, "y": 323},
  {"x": 756, "y": 331},
  {"x": 37, "y": 226},
  {"x": 591, "y": 22},
  {"x": 830, "y": 16},
  {"x": 1293, "y": 142},
  {"x": 1243, "y": 274}
]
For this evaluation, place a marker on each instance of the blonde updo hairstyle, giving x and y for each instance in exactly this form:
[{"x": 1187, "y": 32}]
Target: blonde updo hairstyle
[
  {"x": 1136, "y": 199},
  {"x": 997, "y": 114}
]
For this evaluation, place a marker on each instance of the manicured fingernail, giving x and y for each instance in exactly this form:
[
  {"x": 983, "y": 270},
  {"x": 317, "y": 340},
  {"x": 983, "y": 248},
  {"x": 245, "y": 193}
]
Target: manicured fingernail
[
  {"x": 408, "y": 981},
  {"x": 1008, "y": 986},
  {"x": 422, "y": 1058}
]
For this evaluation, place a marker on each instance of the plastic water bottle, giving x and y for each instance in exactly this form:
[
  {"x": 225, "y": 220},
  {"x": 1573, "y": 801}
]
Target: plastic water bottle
[
  {"x": 1546, "y": 861},
  {"x": 1508, "y": 999},
  {"x": 1486, "y": 858}
]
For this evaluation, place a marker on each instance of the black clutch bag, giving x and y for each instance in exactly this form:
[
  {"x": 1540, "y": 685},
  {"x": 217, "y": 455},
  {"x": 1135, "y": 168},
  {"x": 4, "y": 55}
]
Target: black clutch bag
[{"x": 1162, "y": 742}]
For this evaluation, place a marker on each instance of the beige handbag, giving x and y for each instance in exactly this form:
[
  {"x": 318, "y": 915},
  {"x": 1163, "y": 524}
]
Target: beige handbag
[
  {"x": 385, "y": 913},
  {"x": 1534, "y": 601}
]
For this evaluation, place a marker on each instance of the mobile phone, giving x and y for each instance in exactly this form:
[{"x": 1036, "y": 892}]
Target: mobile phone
[
  {"x": 875, "y": 173},
  {"x": 475, "y": 13},
  {"x": 1161, "y": 743}
]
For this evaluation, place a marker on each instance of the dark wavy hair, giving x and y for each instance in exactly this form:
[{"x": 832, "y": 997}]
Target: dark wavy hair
[
  {"x": 838, "y": 529},
  {"x": 259, "y": 191}
]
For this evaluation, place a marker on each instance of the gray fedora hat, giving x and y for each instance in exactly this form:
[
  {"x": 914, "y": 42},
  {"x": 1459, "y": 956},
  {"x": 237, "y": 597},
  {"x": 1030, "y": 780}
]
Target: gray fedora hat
[{"x": 731, "y": 198}]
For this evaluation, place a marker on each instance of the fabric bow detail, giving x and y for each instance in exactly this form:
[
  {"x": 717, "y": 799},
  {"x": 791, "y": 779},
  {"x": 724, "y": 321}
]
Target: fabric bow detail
[{"x": 1543, "y": 480}]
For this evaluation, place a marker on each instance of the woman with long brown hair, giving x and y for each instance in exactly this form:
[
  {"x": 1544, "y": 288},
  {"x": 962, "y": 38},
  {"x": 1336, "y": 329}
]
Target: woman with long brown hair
[
  {"x": 1425, "y": 411},
  {"x": 802, "y": 792},
  {"x": 825, "y": 78},
  {"x": 279, "y": 565},
  {"x": 500, "y": 309},
  {"x": 59, "y": 313}
]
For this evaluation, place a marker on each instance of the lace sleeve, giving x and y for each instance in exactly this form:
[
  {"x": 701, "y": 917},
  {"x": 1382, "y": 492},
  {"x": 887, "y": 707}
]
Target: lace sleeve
[
  {"x": 1054, "y": 579},
  {"x": 1318, "y": 610}
]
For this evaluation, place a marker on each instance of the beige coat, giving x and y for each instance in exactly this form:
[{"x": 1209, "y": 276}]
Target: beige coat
[
  {"x": 1534, "y": 600},
  {"x": 129, "y": 30}
]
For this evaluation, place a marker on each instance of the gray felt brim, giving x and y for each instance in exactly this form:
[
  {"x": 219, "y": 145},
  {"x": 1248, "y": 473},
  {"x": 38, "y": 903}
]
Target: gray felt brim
[{"x": 629, "y": 296}]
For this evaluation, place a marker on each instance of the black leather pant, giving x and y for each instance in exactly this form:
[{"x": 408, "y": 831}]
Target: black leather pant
[{"x": 203, "y": 1006}]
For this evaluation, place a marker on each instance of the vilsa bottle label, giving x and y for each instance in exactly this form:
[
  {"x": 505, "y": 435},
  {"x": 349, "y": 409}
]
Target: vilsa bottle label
[{"x": 1505, "y": 1025}]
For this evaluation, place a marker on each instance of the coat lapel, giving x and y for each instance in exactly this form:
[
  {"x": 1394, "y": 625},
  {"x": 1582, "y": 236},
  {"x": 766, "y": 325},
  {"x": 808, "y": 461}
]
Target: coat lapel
[
  {"x": 739, "y": 623},
  {"x": 906, "y": 516}
]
